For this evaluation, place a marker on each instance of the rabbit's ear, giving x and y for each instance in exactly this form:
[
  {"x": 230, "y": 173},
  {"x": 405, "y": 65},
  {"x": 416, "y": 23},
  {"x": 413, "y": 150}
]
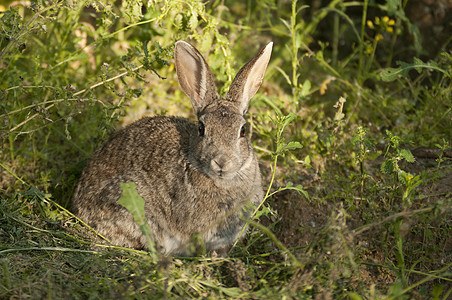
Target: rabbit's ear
[
  {"x": 194, "y": 75},
  {"x": 249, "y": 79}
]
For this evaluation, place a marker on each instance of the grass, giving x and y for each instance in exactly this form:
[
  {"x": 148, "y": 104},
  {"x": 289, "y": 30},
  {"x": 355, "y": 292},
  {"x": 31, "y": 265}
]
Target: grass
[{"x": 351, "y": 127}]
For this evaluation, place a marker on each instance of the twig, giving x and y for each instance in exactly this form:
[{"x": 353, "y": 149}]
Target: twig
[
  {"x": 106, "y": 81},
  {"x": 48, "y": 249},
  {"x": 43, "y": 103},
  {"x": 427, "y": 278},
  {"x": 12, "y": 173},
  {"x": 431, "y": 275},
  {"x": 29, "y": 87},
  {"x": 78, "y": 219},
  {"x": 400, "y": 214},
  {"x": 275, "y": 252},
  {"x": 29, "y": 119}
]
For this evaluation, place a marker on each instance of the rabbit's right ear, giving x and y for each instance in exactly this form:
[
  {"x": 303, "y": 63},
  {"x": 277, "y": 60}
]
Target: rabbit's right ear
[
  {"x": 194, "y": 76},
  {"x": 249, "y": 79}
]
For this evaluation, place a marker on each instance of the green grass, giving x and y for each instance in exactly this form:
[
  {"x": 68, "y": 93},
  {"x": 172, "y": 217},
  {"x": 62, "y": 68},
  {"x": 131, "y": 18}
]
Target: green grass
[{"x": 351, "y": 127}]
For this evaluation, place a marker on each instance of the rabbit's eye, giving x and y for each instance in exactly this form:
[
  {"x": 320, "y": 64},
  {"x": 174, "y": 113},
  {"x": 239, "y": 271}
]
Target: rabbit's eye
[
  {"x": 201, "y": 129},
  {"x": 242, "y": 131}
]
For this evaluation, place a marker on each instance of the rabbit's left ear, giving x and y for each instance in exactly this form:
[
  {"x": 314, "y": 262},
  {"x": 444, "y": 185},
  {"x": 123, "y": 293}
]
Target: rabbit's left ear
[
  {"x": 194, "y": 76},
  {"x": 249, "y": 79}
]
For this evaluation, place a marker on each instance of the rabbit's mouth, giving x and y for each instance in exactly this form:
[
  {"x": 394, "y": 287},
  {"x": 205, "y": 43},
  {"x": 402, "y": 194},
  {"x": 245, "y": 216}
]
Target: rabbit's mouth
[
  {"x": 222, "y": 174},
  {"x": 222, "y": 167},
  {"x": 223, "y": 177}
]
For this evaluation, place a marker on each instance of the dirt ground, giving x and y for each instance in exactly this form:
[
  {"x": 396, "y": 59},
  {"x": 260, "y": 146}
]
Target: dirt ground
[{"x": 301, "y": 222}]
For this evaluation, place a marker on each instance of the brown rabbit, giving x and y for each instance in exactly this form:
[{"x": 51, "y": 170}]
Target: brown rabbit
[{"x": 194, "y": 178}]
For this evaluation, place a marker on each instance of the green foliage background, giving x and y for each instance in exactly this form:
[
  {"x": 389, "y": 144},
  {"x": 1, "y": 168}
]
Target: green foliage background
[{"x": 352, "y": 86}]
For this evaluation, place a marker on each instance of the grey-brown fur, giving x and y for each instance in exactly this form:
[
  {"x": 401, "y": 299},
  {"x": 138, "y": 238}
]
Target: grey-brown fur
[{"x": 190, "y": 183}]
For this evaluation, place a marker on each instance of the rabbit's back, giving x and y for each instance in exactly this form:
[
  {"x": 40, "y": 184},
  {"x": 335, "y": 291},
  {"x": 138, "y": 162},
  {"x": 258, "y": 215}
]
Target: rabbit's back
[
  {"x": 142, "y": 147},
  {"x": 145, "y": 152}
]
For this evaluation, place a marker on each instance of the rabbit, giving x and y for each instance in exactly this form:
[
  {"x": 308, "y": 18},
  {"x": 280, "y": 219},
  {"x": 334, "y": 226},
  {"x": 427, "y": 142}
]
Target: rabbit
[{"x": 194, "y": 178}]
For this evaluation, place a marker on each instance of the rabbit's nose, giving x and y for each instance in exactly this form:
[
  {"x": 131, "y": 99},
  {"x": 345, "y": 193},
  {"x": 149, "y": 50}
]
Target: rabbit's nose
[{"x": 219, "y": 165}]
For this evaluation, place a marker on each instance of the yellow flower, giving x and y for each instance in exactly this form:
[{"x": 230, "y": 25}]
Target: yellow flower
[
  {"x": 391, "y": 22},
  {"x": 390, "y": 29},
  {"x": 378, "y": 37},
  {"x": 369, "y": 50},
  {"x": 386, "y": 19},
  {"x": 377, "y": 20},
  {"x": 370, "y": 24}
]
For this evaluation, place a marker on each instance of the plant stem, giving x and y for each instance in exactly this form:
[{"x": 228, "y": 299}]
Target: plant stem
[
  {"x": 276, "y": 241},
  {"x": 363, "y": 27},
  {"x": 360, "y": 230},
  {"x": 335, "y": 39},
  {"x": 60, "y": 249},
  {"x": 293, "y": 32},
  {"x": 260, "y": 204},
  {"x": 429, "y": 277}
]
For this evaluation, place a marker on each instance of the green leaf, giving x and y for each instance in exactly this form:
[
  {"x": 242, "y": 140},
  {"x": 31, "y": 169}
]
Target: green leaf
[
  {"x": 407, "y": 155},
  {"x": 404, "y": 177},
  {"x": 35, "y": 193},
  {"x": 392, "y": 6},
  {"x": 231, "y": 292},
  {"x": 132, "y": 11},
  {"x": 391, "y": 74},
  {"x": 299, "y": 188},
  {"x": 288, "y": 26},
  {"x": 301, "y": 8},
  {"x": 292, "y": 146},
  {"x": 193, "y": 22},
  {"x": 288, "y": 119},
  {"x": 305, "y": 88},
  {"x": 319, "y": 55},
  {"x": 356, "y": 139},
  {"x": 396, "y": 291},
  {"x": 134, "y": 203},
  {"x": 387, "y": 167},
  {"x": 354, "y": 296},
  {"x": 80, "y": 56},
  {"x": 284, "y": 74},
  {"x": 264, "y": 211},
  {"x": 437, "y": 291}
]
